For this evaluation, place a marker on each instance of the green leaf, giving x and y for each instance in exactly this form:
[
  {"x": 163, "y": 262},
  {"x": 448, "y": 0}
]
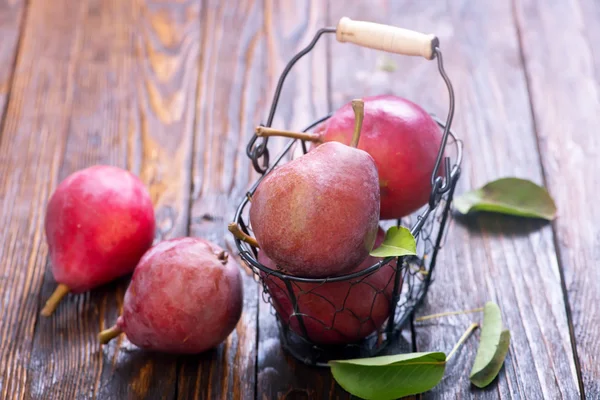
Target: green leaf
[
  {"x": 513, "y": 196},
  {"x": 485, "y": 376},
  {"x": 493, "y": 346},
  {"x": 398, "y": 242},
  {"x": 389, "y": 377}
]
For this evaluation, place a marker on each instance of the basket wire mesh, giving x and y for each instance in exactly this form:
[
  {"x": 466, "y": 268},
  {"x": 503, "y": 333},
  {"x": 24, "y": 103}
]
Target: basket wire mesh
[{"x": 376, "y": 301}]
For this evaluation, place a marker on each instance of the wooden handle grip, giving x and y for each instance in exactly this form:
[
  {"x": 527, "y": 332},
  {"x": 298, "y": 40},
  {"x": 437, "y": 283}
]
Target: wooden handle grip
[{"x": 387, "y": 38}]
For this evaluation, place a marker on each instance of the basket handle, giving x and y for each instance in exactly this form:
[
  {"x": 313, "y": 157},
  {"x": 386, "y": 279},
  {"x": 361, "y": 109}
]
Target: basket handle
[{"x": 386, "y": 37}]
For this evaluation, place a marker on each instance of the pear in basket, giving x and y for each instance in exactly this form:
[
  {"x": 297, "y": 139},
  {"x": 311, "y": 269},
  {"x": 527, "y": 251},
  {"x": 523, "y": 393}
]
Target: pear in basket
[{"x": 318, "y": 214}]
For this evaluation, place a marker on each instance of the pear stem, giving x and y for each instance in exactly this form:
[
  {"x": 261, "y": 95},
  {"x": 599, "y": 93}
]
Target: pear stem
[
  {"x": 462, "y": 339},
  {"x": 61, "y": 291},
  {"x": 263, "y": 131},
  {"x": 237, "y": 232},
  {"x": 358, "y": 106},
  {"x": 109, "y": 334},
  {"x": 445, "y": 314}
]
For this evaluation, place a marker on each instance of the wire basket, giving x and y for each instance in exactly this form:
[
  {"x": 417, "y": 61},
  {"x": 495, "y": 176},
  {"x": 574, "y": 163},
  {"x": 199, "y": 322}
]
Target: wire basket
[{"x": 357, "y": 314}]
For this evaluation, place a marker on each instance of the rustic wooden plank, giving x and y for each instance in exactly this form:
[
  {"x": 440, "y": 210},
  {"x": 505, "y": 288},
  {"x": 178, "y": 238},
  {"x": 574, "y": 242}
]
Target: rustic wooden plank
[
  {"x": 230, "y": 98},
  {"x": 563, "y": 71},
  {"x": 304, "y": 98},
  {"x": 164, "y": 80},
  {"x": 12, "y": 15},
  {"x": 64, "y": 344},
  {"x": 134, "y": 84},
  {"x": 31, "y": 150},
  {"x": 508, "y": 260}
]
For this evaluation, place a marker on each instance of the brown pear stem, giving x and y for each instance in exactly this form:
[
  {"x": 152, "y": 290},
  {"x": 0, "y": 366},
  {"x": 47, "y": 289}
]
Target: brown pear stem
[
  {"x": 358, "y": 106},
  {"x": 61, "y": 291},
  {"x": 237, "y": 232},
  {"x": 263, "y": 131},
  {"x": 109, "y": 334}
]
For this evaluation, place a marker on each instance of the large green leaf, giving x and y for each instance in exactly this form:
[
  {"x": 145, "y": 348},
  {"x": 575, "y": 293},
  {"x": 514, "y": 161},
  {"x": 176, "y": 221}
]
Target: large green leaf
[
  {"x": 493, "y": 346},
  {"x": 512, "y": 196},
  {"x": 390, "y": 377},
  {"x": 398, "y": 242}
]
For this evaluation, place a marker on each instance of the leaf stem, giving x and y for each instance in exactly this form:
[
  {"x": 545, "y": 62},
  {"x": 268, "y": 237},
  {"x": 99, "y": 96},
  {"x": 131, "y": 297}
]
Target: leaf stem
[
  {"x": 444, "y": 314},
  {"x": 462, "y": 339},
  {"x": 358, "y": 106},
  {"x": 238, "y": 233},
  {"x": 263, "y": 131}
]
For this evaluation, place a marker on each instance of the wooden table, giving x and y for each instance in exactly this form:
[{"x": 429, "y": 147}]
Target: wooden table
[{"x": 172, "y": 90}]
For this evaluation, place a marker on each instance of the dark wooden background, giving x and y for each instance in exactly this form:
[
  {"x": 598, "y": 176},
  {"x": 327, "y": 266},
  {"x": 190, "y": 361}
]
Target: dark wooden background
[{"x": 172, "y": 90}]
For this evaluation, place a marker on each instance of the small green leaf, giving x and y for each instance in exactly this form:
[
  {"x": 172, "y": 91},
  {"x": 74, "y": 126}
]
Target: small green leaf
[
  {"x": 493, "y": 346},
  {"x": 490, "y": 336},
  {"x": 513, "y": 196},
  {"x": 484, "y": 377},
  {"x": 398, "y": 242},
  {"x": 390, "y": 377}
]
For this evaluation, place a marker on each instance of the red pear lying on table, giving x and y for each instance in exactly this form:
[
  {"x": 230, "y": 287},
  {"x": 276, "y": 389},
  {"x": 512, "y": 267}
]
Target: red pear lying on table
[
  {"x": 185, "y": 296},
  {"x": 401, "y": 137},
  {"x": 318, "y": 214},
  {"x": 98, "y": 224},
  {"x": 335, "y": 312}
]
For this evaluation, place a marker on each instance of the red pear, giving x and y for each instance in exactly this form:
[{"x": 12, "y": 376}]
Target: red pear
[
  {"x": 336, "y": 312},
  {"x": 185, "y": 296},
  {"x": 98, "y": 224},
  {"x": 318, "y": 214},
  {"x": 401, "y": 137}
]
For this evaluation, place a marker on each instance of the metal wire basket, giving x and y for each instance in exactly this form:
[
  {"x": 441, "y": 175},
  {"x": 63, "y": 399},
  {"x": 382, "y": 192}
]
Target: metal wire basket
[{"x": 309, "y": 320}]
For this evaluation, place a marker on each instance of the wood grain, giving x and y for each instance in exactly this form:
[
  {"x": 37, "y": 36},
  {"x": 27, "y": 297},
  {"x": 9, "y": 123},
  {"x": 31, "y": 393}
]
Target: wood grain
[
  {"x": 127, "y": 63},
  {"x": 563, "y": 71},
  {"x": 172, "y": 89},
  {"x": 159, "y": 128},
  {"x": 304, "y": 98},
  {"x": 31, "y": 152},
  {"x": 507, "y": 260},
  {"x": 65, "y": 343},
  {"x": 230, "y": 98},
  {"x": 12, "y": 15}
]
